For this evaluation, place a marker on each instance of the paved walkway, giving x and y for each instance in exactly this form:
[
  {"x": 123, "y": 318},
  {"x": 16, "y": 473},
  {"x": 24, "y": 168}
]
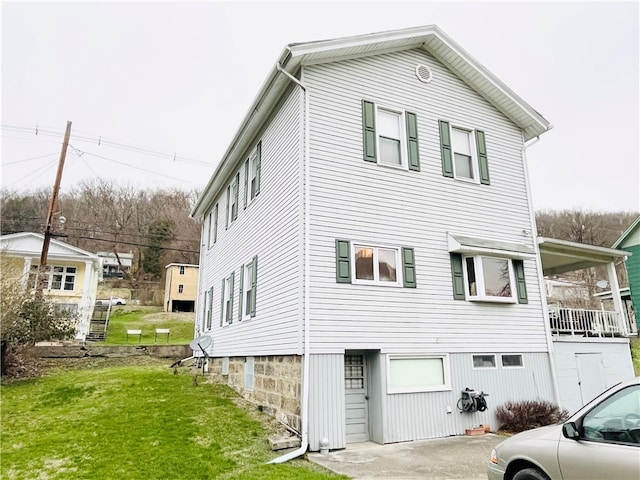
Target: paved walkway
[{"x": 461, "y": 457}]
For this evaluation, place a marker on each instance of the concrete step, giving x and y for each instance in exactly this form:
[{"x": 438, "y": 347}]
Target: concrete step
[{"x": 282, "y": 441}]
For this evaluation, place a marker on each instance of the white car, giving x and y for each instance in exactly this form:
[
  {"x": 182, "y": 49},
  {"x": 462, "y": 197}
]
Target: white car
[
  {"x": 112, "y": 301},
  {"x": 600, "y": 441}
]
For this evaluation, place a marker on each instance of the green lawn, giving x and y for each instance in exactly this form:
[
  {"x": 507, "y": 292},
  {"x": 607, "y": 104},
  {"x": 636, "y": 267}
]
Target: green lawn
[
  {"x": 136, "y": 422},
  {"x": 147, "y": 319},
  {"x": 635, "y": 354}
]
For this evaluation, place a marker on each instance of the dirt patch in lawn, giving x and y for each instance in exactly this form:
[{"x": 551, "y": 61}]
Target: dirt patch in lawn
[{"x": 163, "y": 317}]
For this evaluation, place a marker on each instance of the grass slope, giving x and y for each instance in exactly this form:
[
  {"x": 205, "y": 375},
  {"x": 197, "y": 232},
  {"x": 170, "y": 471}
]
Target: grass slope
[
  {"x": 145, "y": 319},
  {"x": 134, "y": 422}
]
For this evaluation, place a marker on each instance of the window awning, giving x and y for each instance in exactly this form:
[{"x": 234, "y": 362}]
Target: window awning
[{"x": 483, "y": 246}]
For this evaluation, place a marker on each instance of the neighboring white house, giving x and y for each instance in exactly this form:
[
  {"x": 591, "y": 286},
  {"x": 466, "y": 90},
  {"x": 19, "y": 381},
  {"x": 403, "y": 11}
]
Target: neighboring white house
[
  {"x": 115, "y": 266},
  {"x": 73, "y": 273},
  {"x": 367, "y": 250}
]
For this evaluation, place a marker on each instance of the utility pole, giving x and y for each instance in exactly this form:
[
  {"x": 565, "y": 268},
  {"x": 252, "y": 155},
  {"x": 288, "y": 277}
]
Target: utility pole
[{"x": 42, "y": 269}]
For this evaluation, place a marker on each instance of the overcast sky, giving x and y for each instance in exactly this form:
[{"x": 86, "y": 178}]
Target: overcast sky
[{"x": 177, "y": 78}]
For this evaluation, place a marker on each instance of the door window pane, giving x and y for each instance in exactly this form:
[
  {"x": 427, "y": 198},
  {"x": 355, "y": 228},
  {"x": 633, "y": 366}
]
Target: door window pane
[{"x": 354, "y": 371}]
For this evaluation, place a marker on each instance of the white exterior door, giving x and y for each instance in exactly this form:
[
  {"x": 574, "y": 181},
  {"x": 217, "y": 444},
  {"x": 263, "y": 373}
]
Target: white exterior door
[
  {"x": 591, "y": 378},
  {"x": 355, "y": 383}
]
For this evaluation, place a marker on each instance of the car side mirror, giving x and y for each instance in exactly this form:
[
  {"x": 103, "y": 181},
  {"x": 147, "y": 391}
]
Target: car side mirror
[{"x": 569, "y": 430}]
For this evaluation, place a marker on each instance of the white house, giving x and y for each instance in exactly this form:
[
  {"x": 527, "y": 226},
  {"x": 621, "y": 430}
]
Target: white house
[
  {"x": 73, "y": 273},
  {"x": 367, "y": 250}
]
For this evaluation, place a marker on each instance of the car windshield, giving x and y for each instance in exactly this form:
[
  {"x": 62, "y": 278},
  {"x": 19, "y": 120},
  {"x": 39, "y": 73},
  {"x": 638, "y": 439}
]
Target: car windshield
[{"x": 616, "y": 419}]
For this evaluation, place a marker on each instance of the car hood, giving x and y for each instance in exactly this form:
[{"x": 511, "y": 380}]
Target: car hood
[{"x": 550, "y": 432}]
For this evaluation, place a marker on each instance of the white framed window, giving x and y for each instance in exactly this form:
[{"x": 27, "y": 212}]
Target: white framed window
[
  {"x": 484, "y": 361},
  {"x": 227, "y": 300},
  {"x": 248, "y": 296},
  {"x": 489, "y": 279},
  {"x": 391, "y": 137},
  {"x": 180, "y": 288},
  {"x": 512, "y": 360},
  {"x": 57, "y": 277},
  {"x": 181, "y": 269},
  {"x": 232, "y": 200},
  {"x": 251, "y": 166},
  {"x": 249, "y": 373},
  {"x": 376, "y": 265},
  {"x": 210, "y": 224},
  {"x": 213, "y": 227},
  {"x": 465, "y": 158},
  {"x": 418, "y": 373},
  {"x": 208, "y": 308}
]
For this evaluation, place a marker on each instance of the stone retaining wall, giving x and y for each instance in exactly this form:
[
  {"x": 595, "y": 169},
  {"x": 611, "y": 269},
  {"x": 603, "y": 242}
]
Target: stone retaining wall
[
  {"x": 92, "y": 350},
  {"x": 276, "y": 388}
]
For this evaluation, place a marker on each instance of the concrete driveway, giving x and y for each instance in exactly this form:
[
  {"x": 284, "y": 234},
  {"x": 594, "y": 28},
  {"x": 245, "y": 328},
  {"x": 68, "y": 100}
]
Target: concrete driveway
[{"x": 461, "y": 457}]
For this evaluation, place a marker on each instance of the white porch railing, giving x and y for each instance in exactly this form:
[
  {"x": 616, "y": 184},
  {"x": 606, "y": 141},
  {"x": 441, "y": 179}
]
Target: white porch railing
[{"x": 588, "y": 323}]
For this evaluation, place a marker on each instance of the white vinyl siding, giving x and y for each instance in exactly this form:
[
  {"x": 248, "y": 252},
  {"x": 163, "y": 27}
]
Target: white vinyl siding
[
  {"x": 349, "y": 199},
  {"x": 270, "y": 229}
]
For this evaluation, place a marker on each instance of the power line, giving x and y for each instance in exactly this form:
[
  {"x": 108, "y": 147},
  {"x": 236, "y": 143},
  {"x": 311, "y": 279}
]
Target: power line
[
  {"x": 134, "y": 244},
  {"x": 137, "y": 168},
  {"x": 99, "y": 141},
  {"x": 29, "y": 159}
]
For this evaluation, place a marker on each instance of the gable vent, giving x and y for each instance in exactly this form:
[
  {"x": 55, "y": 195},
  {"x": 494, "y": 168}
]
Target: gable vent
[{"x": 423, "y": 73}]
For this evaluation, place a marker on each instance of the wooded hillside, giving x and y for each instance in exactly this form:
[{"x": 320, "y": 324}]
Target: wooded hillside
[
  {"x": 154, "y": 224},
  {"x": 99, "y": 216}
]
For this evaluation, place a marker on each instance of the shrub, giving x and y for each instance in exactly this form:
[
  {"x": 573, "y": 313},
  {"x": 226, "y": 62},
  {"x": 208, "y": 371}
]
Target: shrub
[{"x": 525, "y": 415}]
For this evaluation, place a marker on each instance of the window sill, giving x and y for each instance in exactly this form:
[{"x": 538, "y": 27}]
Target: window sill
[
  {"x": 471, "y": 181},
  {"x": 438, "y": 388},
  {"x": 402, "y": 168},
  {"x": 376, "y": 284},
  {"x": 493, "y": 300}
]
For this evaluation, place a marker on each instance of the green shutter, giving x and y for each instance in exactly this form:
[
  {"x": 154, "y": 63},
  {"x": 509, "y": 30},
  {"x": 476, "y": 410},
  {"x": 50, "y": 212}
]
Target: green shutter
[
  {"x": 445, "y": 149},
  {"x": 246, "y": 182},
  {"x": 343, "y": 262},
  {"x": 226, "y": 216},
  {"x": 258, "y": 162},
  {"x": 205, "y": 317},
  {"x": 521, "y": 284},
  {"x": 458, "y": 276},
  {"x": 254, "y": 286},
  {"x": 240, "y": 293},
  {"x": 230, "y": 311},
  {"x": 369, "y": 130},
  {"x": 215, "y": 224},
  {"x": 412, "y": 141},
  {"x": 483, "y": 163},
  {"x": 210, "y": 308},
  {"x": 408, "y": 268},
  {"x": 222, "y": 303}
]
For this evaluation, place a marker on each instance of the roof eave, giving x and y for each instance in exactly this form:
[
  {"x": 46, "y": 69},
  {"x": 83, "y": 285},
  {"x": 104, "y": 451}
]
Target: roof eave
[{"x": 430, "y": 37}]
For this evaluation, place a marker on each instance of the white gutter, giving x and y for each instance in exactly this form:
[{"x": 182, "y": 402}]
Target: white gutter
[
  {"x": 304, "y": 442},
  {"x": 538, "y": 259}
]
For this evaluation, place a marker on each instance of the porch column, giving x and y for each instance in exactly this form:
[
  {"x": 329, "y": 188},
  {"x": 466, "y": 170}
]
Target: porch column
[
  {"x": 86, "y": 286},
  {"x": 26, "y": 270},
  {"x": 615, "y": 294}
]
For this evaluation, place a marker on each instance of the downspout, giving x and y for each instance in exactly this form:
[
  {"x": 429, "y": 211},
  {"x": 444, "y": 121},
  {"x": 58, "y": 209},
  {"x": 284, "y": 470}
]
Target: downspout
[
  {"x": 536, "y": 247},
  {"x": 304, "y": 442}
]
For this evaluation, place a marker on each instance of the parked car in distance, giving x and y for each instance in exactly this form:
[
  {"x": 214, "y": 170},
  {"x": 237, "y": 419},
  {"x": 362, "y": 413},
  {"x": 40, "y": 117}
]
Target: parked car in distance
[
  {"x": 601, "y": 440},
  {"x": 112, "y": 300}
]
